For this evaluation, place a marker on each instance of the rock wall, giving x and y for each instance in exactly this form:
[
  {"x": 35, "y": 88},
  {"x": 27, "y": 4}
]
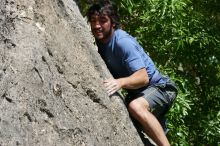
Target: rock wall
[{"x": 51, "y": 75}]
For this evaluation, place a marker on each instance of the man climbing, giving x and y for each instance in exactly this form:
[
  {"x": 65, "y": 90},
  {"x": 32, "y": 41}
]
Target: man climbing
[{"x": 150, "y": 93}]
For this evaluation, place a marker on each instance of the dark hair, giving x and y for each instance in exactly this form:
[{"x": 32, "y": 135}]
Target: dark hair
[{"x": 107, "y": 8}]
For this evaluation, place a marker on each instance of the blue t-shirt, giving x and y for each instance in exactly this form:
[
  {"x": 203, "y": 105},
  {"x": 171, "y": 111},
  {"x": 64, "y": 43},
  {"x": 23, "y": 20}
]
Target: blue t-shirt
[{"x": 123, "y": 56}]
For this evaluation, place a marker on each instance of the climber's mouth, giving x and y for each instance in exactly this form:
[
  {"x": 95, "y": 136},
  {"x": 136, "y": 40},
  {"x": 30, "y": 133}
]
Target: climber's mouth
[{"x": 98, "y": 33}]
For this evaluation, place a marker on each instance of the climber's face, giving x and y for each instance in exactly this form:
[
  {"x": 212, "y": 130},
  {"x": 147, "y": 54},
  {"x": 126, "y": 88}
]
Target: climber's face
[{"x": 102, "y": 27}]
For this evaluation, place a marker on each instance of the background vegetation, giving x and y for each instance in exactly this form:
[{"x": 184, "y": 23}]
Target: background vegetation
[{"x": 183, "y": 38}]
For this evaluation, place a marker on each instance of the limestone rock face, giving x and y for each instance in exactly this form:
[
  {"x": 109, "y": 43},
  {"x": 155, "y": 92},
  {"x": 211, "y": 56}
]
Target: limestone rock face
[{"x": 51, "y": 91}]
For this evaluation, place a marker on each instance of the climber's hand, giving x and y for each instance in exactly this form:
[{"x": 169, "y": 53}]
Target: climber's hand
[{"x": 112, "y": 86}]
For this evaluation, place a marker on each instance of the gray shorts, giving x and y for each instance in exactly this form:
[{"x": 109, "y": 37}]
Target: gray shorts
[{"x": 159, "y": 96}]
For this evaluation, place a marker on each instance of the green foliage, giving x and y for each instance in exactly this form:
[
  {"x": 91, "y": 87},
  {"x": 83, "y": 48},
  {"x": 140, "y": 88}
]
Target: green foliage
[
  {"x": 183, "y": 38},
  {"x": 186, "y": 43}
]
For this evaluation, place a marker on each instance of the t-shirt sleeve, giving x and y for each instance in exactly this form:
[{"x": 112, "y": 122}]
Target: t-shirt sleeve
[{"x": 131, "y": 55}]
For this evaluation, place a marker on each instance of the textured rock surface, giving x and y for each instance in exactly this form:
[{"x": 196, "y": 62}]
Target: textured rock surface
[{"x": 51, "y": 76}]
